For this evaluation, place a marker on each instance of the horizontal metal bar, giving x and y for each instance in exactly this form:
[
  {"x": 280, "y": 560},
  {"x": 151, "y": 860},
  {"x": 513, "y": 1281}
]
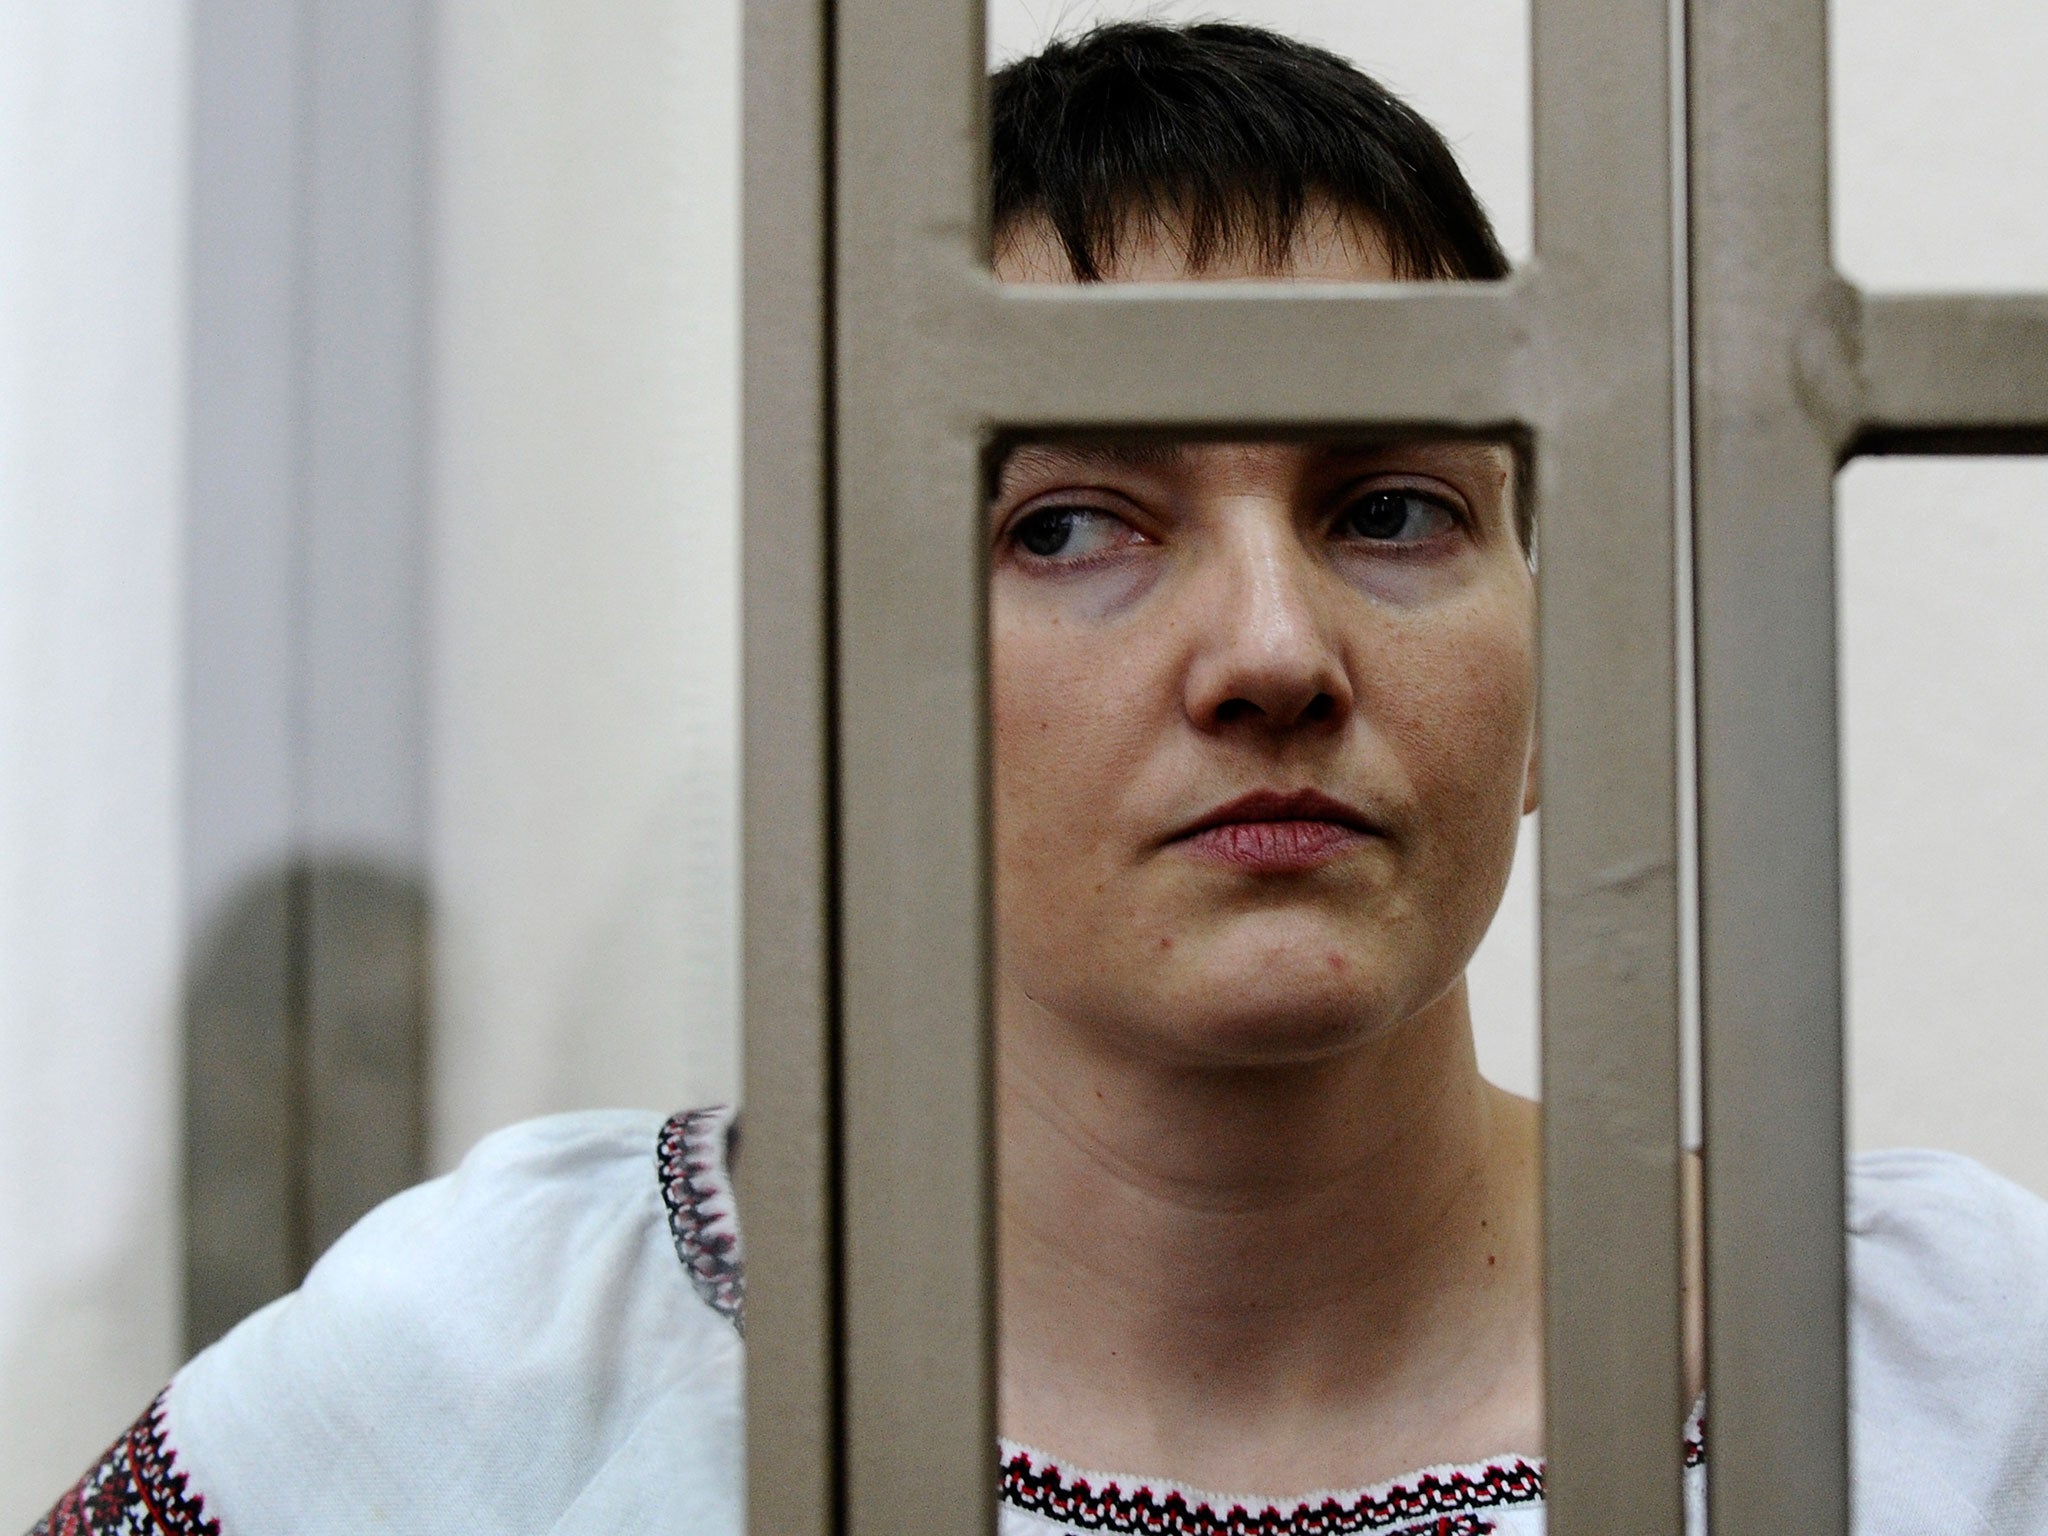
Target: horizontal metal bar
[
  {"x": 1268, "y": 354},
  {"x": 1968, "y": 367}
]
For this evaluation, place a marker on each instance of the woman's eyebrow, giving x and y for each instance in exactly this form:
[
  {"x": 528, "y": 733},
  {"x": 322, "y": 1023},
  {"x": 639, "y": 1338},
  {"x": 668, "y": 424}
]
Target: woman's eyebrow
[
  {"x": 1072, "y": 458},
  {"x": 1453, "y": 450}
]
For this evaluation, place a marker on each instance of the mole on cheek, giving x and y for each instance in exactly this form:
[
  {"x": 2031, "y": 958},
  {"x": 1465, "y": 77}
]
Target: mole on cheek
[
  {"x": 1336, "y": 963},
  {"x": 1165, "y": 942}
]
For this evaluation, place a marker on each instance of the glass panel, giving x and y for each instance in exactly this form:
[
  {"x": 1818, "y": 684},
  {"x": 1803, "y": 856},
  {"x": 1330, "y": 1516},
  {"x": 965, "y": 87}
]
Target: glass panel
[
  {"x": 1939, "y": 143},
  {"x": 1463, "y": 65},
  {"x": 368, "y": 739},
  {"x": 585, "y": 710}
]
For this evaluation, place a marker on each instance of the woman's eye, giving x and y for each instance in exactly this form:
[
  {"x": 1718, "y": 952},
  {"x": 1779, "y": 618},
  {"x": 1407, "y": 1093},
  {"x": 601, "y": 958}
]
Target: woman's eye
[
  {"x": 1069, "y": 533},
  {"x": 1395, "y": 517}
]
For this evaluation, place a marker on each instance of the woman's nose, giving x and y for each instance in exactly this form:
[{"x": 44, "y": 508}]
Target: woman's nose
[{"x": 1266, "y": 657}]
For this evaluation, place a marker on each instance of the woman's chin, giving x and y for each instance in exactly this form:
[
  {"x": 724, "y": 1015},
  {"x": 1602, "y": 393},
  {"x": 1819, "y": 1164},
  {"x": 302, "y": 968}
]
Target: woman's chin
[
  {"x": 1246, "y": 994},
  {"x": 1252, "y": 1032},
  {"x": 1271, "y": 1019}
]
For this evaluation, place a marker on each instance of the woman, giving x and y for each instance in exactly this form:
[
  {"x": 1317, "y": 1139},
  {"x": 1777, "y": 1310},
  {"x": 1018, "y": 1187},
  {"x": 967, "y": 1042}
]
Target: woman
[{"x": 1264, "y": 729}]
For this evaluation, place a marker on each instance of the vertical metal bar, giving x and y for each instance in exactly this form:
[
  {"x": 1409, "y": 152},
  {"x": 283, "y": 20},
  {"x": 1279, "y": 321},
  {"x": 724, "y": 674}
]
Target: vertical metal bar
[
  {"x": 911, "y": 161},
  {"x": 785, "y": 1169},
  {"x": 1771, "y": 328},
  {"x": 1605, "y": 291}
]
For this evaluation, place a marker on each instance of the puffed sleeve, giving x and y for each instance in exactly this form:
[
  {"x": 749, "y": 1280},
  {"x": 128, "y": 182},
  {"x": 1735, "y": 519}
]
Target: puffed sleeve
[
  {"x": 515, "y": 1347},
  {"x": 1949, "y": 1347}
]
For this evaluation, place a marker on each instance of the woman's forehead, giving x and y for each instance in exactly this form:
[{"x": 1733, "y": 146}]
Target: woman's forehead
[{"x": 1488, "y": 461}]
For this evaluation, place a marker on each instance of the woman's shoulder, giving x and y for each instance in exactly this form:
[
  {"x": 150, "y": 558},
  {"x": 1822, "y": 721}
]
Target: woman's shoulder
[
  {"x": 1940, "y": 1231},
  {"x": 549, "y": 1329},
  {"x": 620, "y": 1209},
  {"x": 1949, "y": 1329}
]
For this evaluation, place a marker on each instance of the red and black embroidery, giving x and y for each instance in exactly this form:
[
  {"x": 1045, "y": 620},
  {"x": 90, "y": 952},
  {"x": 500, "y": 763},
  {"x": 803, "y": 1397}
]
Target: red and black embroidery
[
  {"x": 1433, "y": 1505},
  {"x": 694, "y": 1151},
  {"x": 137, "y": 1489}
]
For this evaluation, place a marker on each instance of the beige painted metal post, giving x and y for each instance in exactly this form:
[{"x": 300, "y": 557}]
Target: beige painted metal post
[
  {"x": 1607, "y": 515},
  {"x": 784, "y": 1169},
  {"x": 1793, "y": 370},
  {"x": 1770, "y": 861},
  {"x": 933, "y": 358},
  {"x": 914, "y": 1150}
]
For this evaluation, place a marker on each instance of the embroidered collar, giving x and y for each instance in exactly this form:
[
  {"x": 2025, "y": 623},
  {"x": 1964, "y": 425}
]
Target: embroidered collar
[
  {"x": 136, "y": 1489},
  {"x": 692, "y": 1156},
  {"x": 1441, "y": 1500},
  {"x": 1437, "y": 1501}
]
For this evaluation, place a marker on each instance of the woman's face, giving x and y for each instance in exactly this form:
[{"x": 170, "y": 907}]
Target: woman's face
[{"x": 1263, "y": 721}]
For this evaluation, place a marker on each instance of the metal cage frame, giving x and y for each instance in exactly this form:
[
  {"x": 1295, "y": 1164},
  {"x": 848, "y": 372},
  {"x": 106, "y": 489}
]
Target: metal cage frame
[{"x": 1649, "y": 359}]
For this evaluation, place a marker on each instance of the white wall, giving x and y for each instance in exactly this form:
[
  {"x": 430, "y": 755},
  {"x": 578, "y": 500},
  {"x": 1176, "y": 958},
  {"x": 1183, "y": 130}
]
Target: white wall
[
  {"x": 1944, "y": 566},
  {"x": 585, "y": 508},
  {"x": 1941, "y": 143},
  {"x": 1941, "y": 154},
  {"x": 92, "y": 207}
]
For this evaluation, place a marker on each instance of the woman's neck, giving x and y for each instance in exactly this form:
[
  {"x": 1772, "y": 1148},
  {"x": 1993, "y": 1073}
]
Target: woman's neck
[{"x": 1267, "y": 1279}]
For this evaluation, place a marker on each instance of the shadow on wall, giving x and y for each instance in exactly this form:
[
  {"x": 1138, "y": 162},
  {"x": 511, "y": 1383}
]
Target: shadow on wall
[{"x": 306, "y": 1019}]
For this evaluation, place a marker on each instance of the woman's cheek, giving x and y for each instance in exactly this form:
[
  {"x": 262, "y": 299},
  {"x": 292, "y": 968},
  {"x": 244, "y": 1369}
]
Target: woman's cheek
[
  {"x": 1068, "y": 742},
  {"x": 1094, "y": 594},
  {"x": 1412, "y": 580},
  {"x": 1033, "y": 721},
  {"x": 1464, "y": 703}
]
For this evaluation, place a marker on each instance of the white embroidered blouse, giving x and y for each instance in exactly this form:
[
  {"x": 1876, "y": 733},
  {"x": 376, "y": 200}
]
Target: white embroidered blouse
[{"x": 548, "y": 1340}]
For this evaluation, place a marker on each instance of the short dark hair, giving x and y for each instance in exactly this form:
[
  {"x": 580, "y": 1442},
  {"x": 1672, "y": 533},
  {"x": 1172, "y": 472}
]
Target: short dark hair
[{"x": 1226, "y": 135}]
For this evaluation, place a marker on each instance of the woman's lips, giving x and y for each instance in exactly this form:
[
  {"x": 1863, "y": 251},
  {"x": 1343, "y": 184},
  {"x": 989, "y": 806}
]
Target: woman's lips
[
  {"x": 1274, "y": 847},
  {"x": 1277, "y": 832}
]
